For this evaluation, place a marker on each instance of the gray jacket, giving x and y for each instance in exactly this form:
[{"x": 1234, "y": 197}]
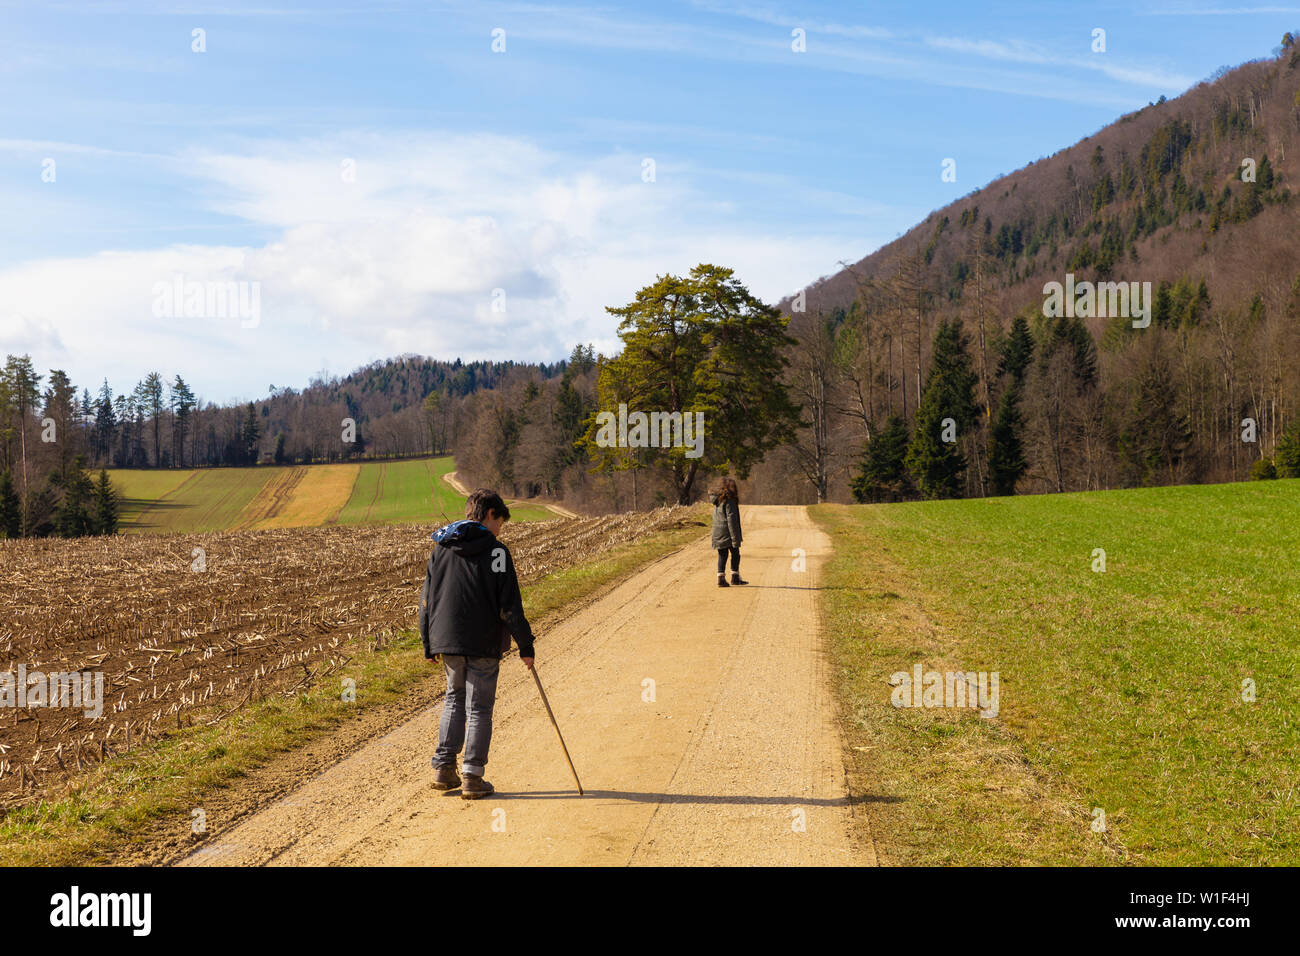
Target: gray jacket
[{"x": 726, "y": 522}]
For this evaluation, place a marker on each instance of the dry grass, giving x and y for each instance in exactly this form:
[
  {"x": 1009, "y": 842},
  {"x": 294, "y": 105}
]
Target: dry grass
[{"x": 301, "y": 498}]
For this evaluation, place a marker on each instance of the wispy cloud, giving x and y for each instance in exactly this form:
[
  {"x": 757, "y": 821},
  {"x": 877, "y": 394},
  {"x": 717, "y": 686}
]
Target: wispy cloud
[{"x": 863, "y": 49}]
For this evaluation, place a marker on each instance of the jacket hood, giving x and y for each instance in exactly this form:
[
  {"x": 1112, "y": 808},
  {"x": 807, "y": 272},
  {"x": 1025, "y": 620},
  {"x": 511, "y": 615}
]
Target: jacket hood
[{"x": 465, "y": 537}]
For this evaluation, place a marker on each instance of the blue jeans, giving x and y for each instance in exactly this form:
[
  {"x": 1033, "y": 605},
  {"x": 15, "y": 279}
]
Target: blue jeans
[{"x": 479, "y": 675}]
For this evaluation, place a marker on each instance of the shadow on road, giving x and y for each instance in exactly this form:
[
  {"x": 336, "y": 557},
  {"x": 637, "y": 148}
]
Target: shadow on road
[{"x": 699, "y": 798}]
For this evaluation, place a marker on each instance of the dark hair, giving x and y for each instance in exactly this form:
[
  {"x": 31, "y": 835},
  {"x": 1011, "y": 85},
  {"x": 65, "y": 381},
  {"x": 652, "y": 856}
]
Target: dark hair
[
  {"x": 483, "y": 500},
  {"x": 726, "y": 488}
]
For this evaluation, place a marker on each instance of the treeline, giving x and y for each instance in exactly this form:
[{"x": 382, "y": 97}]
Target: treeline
[
  {"x": 402, "y": 407},
  {"x": 44, "y": 487},
  {"x": 1041, "y": 408},
  {"x": 51, "y": 431},
  {"x": 892, "y": 399}
]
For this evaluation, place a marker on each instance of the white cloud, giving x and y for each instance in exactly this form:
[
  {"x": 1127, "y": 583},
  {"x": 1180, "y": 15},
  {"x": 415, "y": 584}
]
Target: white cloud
[{"x": 405, "y": 258}]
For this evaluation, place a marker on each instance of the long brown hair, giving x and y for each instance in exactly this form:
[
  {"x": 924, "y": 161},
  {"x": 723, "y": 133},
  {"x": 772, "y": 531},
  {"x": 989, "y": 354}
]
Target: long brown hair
[{"x": 725, "y": 488}]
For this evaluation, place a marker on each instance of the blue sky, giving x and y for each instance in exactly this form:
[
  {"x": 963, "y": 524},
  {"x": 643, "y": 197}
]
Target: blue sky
[{"x": 497, "y": 201}]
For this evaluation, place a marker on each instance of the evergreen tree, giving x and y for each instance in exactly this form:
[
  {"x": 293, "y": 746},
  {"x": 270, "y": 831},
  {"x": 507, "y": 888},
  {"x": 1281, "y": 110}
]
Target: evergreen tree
[
  {"x": 39, "y": 508},
  {"x": 149, "y": 400},
  {"x": 1287, "y": 458},
  {"x": 697, "y": 344},
  {"x": 251, "y": 434},
  {"x": 11, "y": 513},
  {"x": 1017, "y": 351},
  {"x": 938, "y": 465},
  {"x": 72, "y": 518},
  {"x": 22, "y": 386},
  {"x": 1155, "y": 434},
  {"x": 182, "y": 403},
  {"x": 882, "y": 474},
  {"x": 1007, "y": 462},
  {"x": 105, "y": 423},
  {"x": 105, "y": 517},
  {"x": 61, "y": 408}
]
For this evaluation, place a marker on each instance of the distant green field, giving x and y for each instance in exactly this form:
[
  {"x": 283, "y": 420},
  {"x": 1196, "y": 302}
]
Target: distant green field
[
  {"x": 207, "y": 500},
  {"x": 140, "y": 489},
  {"x": 400, "y": 492},
  {"x": 1120, "y": 691},
  {"x": 213, "y": 499}
]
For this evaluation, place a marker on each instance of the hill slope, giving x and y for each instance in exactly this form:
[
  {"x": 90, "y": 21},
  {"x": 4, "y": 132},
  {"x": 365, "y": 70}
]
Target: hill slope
[
  {"x": 1190, "y": 205},
  {"x": 1156, "y": 195}
]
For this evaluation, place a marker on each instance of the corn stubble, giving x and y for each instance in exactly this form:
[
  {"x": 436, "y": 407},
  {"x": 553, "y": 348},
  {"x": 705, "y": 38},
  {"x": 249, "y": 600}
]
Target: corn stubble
[{"x": 271, "y": 613}]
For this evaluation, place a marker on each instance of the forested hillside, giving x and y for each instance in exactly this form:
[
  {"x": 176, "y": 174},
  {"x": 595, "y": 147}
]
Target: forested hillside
[{"x": 1195, "y": 196}]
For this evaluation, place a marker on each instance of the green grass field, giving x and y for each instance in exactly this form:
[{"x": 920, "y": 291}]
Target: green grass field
[
  {"x": 208, "y": 500},
  {"x": 1120, "y": 690},
  {"x": 214, "y": 499},
  {"x": 140, "y": 489},
  {"x": 399, "y": 492}
]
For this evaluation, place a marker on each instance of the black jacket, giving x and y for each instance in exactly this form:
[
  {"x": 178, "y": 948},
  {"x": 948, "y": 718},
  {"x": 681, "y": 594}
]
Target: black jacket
[{"x": 470, "y": 603}]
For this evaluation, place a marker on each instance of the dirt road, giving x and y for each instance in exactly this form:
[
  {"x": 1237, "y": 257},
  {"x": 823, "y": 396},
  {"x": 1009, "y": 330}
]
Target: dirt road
[
  {"x": 700, "y": 720},
  {"x": 563, "y": 512}
]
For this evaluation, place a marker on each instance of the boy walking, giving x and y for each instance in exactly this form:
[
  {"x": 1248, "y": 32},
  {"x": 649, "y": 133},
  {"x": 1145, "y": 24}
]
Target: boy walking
[{"x": 470, "y": 607}]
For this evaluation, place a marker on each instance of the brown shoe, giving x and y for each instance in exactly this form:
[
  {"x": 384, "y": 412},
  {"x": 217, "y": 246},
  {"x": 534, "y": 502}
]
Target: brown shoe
[
  {"x": 475, "y": 788},
  {"x": 722, "y": 581},
  {"x": 735, "y": 578},
  {"x": 447, "y": 778}
]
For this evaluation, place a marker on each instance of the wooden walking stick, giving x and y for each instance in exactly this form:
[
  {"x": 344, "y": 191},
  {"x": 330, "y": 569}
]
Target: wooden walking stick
[{"x": 551, "y": 714}]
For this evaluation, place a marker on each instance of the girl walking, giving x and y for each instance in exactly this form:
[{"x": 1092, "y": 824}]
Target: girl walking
[{"x": 725, "y": 499}]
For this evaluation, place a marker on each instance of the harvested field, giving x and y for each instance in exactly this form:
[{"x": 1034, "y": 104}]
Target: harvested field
[
  {"x": 300, "y": 497},
  {"x": 188, "y": 628}
]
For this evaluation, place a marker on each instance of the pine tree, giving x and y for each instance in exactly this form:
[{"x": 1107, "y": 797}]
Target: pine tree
[
  {"x": 1007, "y": 463},
  {"x": 105, "y": 423},
  {"x": 938, "y": 465},
  {"x": 105, "y": 517},
  {"x": 882, "y": 475},
  {"x": 72, "y": 518},
  {"x": 182, "y": 404},
  {"x": 252, "y": 433},
  {"x": 1287, "y": 458},
  {"x": 22, "y": 384},
  {"x": 1155, "y": 435},
  {"x": 1017, "y": 351},
  {"x": 11, "y": 512},
  {"x": 698, "y": 344},
  {"x": 149, "y": 398},
  {"x": 39, "y": 507}
]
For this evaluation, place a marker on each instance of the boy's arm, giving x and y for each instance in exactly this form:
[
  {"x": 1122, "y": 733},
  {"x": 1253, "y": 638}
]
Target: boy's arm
[
  {"x": 427, "y": 601},
  {"x": 511, "y": 602}
]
